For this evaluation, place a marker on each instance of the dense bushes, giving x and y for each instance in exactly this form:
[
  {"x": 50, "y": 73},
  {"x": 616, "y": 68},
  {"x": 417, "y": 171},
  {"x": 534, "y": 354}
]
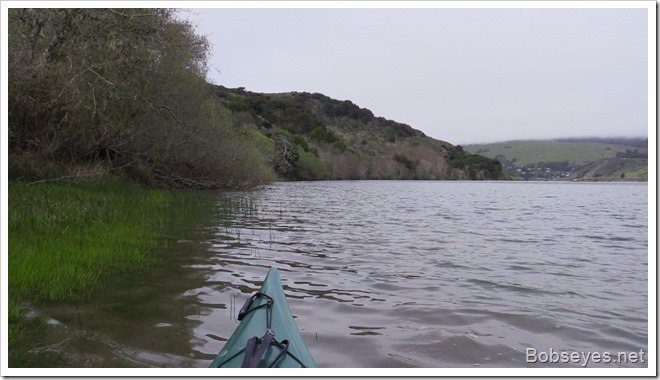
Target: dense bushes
[
  {"x": 405, "y": 161},
  {"x": 324, "y": 135},
  {"x": 123, "y": 86},
  {"x": 284, "y": 111},
  {"x": 310, "y": 167},
  {"x": 347, "y": 109},
  {"x": 475, "y": 166}
]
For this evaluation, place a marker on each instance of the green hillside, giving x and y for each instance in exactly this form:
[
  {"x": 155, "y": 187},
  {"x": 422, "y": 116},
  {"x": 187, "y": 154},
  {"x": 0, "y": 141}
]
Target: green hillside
[
  {"x": 582, "y": 159},
  {"x": 527, "y": 152},
  {"x": 613, "y": 169},
  {"x": 310, "y": 136}
]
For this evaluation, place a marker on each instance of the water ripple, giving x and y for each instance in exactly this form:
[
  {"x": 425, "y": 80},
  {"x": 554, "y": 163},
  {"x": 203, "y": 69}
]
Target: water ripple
[{"x": 441, "y": 274}]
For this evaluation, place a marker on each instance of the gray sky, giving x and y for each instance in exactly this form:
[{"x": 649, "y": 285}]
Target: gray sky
[{"x": 460, "y": 75}]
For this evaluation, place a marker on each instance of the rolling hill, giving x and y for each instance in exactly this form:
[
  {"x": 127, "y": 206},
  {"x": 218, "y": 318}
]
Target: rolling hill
[
  {"x": 310, "y": 136},
  {"x": 605, "y": 159}
]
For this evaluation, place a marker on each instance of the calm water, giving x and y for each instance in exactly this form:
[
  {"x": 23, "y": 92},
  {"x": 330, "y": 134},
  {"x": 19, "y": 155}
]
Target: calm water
[{"x": 392, "y": 274}]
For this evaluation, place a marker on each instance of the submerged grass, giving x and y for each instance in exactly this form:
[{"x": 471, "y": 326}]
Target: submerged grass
[{"x": 64, "y": 238}]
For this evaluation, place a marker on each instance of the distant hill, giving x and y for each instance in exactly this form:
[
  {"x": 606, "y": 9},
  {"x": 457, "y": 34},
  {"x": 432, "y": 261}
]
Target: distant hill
[
  {"x": 573, "y": 150},
  {"x": 561, "y": 158},
  {"x": 311, "y": 136}
]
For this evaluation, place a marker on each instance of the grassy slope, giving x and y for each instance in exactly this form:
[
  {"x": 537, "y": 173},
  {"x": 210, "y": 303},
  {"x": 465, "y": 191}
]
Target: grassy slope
[
  {"x": 534, "y": 151},
  {"x": 614, "y": 169}
]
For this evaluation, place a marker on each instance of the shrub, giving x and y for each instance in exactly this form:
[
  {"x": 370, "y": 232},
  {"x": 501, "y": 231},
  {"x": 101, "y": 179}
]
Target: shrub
[
  {"x": 405, "y": 161},
  {"x": 310, "y": 167}
]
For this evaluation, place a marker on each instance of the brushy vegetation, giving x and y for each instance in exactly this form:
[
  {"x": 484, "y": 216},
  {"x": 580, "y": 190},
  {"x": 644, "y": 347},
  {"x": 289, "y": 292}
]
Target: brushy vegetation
[
  {"x": 125, "y": 87},
  {"x": 317, "y": 138},
  {"x": 476, "y": 166}
]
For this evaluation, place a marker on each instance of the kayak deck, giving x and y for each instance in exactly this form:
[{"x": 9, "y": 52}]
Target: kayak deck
[{"x": 267, "y": 335}]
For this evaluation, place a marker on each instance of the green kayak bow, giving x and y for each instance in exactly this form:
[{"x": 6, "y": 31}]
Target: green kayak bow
[{"x": 267, "y": 335}]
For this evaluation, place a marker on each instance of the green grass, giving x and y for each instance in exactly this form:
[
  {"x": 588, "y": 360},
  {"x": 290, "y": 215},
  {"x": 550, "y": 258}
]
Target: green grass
[
  {"x": 67, "y": 241},
  {"x": 65, "y": 238},
  {"x": 641, "y": 173}
]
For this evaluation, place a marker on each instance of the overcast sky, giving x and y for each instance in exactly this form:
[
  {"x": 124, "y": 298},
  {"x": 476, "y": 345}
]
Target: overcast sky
[{"x": 459, "y": 75}]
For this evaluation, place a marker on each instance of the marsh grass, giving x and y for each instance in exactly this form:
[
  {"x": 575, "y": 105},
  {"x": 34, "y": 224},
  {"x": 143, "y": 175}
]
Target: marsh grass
[
  {"x": 65, "y": 238},
  {"x": 231, "y": 206}
]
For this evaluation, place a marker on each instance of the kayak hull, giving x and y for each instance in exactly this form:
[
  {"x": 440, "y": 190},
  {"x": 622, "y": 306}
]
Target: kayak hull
[{"x": 255, "y": 325}]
